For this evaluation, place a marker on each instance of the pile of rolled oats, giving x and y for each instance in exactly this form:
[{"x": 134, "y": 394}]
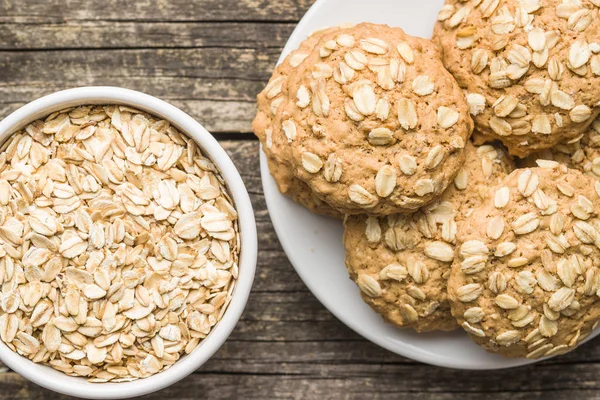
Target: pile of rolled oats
[{"x": 118, "y": 243}]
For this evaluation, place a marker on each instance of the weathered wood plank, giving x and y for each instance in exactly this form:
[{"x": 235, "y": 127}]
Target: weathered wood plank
[
  {"x": 383, "y": 383},
  {"x": 182, "y": 73},
  {"x": 215, "y": 86},
  {"x": 33, "y": 11},
  {"x": 103, "y": 34}
]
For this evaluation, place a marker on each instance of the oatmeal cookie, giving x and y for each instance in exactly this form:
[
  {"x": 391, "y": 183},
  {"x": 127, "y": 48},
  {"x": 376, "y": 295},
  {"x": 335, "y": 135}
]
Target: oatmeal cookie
[
  {"x": 531, "y": 68},
  {"x": 374, "y": 122},
  {"x": 401, "y": 263},
  {"x": 269, "y": 102},
  {"x": 526, "y": 279},
  {"x": 298, "y": 191}
]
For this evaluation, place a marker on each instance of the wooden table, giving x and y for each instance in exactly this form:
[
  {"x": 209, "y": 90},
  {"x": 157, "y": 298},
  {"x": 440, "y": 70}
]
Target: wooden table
[{"x": 211, "y": 58}]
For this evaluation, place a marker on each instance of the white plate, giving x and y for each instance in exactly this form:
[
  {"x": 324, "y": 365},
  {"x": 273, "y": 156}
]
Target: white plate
[{"x": 314, "y": 243}]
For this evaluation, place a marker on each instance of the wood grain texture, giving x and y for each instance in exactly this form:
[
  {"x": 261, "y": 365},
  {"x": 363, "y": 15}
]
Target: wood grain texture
[
  {"x": 34, "y": 11},
  {"x": 123, "y": 35},
  {"x": 211, "y": 58},
  {"x": 216, "y": 86}
]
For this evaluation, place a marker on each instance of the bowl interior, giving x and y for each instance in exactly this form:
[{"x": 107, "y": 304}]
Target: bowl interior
[{"x": 55, "y": 380}]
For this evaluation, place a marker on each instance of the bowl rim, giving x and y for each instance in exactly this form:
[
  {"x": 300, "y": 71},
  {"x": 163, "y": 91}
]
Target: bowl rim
[{"x": 76, "y": 386}]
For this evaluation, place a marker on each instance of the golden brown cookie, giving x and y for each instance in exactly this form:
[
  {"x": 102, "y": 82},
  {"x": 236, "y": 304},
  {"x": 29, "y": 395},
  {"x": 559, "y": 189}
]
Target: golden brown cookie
[
  {"x": 525, "y": 281},
  {"x": 401, "y": 263},
  {"x": 374, "y": 122},
  {"x": 269, "y": 102},
  {"x": 531, "y": 67},
  {"x": 298, "y": 191}
]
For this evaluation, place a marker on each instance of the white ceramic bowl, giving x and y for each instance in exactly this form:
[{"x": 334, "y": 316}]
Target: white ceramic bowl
[{"x": 80, "y": 387}]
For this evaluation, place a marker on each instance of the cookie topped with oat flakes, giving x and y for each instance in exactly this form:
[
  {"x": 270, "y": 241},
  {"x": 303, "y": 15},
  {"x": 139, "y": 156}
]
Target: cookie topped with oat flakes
[
  {"x": 269, "y": 103},
  {"x": 298, "y": 191},
  {"x": 374, "y": 123},
  {"x": 401, "y": 263},
  {"x": 526, "y": 279},
  {"x": 531, "y": 67}
]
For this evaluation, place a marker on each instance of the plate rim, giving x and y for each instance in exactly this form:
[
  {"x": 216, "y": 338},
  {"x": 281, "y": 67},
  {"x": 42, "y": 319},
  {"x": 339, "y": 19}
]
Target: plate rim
[{"x": 271, "y": 192}]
